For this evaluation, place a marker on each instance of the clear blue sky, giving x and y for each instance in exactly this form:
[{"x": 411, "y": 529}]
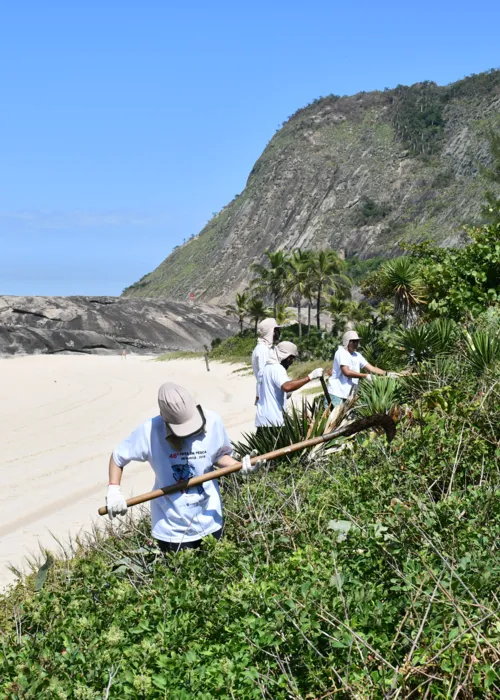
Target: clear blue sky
[{"x": 124, "y": 124}]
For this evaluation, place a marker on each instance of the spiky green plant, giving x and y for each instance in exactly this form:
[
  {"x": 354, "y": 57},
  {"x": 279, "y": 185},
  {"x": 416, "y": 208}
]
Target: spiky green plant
[
  {"x": 303, "y": 421},
  {"x": 482, "y": 350},
  {"x": 381, "y": 395},
  {"x": 432, "y": 375},
  {"x": 428, "y": 340},
  {"x": 400, "y": 279}
]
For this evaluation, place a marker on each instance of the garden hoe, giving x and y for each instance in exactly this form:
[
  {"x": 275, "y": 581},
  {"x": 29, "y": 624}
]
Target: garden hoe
[{"x": 378, "y": 420}]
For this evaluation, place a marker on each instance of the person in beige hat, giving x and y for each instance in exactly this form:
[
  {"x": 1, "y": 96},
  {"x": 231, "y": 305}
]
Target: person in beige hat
[
  {"x": 269, "y": 334},
  {"x": 346, "y": 370},
  {"x": 183, "y": 441},
  {"x": 275, "y": 384}
]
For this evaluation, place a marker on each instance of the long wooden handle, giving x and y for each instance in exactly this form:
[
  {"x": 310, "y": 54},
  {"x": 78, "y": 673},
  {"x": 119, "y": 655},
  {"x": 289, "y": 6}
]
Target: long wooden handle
[
  {"x": 326, "y": 392},
  {"x": 378, "y": 420}
]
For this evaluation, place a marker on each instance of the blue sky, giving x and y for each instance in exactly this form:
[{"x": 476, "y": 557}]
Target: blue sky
[{"x": 124, "y": 125}]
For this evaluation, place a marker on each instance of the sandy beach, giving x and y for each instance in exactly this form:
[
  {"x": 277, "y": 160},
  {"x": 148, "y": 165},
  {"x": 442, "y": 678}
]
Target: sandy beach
[{"x": 60, "y": 418}]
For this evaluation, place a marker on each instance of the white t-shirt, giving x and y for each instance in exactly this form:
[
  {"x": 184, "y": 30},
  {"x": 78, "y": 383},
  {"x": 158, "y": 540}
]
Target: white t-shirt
[
  {"x": 261, "y": 354},
  {"x": 340, "y": 385},
  {"x": 272, "y": 398},
  {"x": 187, "y": 515}
]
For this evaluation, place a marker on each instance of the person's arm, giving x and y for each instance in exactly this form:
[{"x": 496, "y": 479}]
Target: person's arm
[
  {"x": 115, "y": 472},
  {"x": 246, "y": 466},
  {"x": 294, "y": 384},
  {"x": 348, "y": 372},
  {"x": 226, "y": 461},
  {"x": 135, "y": 447},
  {"x": 375, "y": 370}
]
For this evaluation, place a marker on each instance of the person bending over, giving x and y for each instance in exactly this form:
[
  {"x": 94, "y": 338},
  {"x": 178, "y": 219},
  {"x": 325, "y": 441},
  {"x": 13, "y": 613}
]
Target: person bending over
[
  {"x": 182, "y": 442},
  {"x": 275, "y": 384}
]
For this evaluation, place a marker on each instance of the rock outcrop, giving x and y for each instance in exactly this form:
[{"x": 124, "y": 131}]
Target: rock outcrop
[
  {"x": 359, "y": 174},
  {"x": 106, "y": 324}
]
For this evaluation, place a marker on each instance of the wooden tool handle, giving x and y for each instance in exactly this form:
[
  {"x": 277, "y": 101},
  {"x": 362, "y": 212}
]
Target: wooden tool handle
[{"x": 378, "y": 420}]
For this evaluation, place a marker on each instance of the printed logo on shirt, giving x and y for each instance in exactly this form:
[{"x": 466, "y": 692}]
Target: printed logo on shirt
[{"x": 186, "y": 471}]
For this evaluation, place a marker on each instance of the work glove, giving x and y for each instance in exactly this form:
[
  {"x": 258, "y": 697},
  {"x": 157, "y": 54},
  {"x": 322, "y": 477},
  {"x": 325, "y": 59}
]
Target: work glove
[
  {"x": 247, "y": 468},
  {"x": 369, "y": 377},
  {"x": 316, "y": 373},
  {"x": 115, "y": 501}
]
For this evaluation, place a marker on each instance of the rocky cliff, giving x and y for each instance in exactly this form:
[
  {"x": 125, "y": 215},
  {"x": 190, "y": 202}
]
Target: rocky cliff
[
  {"x": 359, "y": 174},
  {"x": 106, "y": 324}
]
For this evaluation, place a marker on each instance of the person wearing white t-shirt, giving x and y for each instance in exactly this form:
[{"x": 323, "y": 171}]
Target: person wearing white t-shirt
[
  {"x": 347, "y": 366},
  {"x": 275, "y": 384},
  {"x": 269, "y": 334},
  {"x": 182, "y": 442}
]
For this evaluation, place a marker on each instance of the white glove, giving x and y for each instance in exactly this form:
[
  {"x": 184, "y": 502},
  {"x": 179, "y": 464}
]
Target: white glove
[
  {"x": 369, "y": 377},
  {"x": 316, "y": 373},
  {"x": 248, "y": 468},
  {"x": 115, "y": 501}
]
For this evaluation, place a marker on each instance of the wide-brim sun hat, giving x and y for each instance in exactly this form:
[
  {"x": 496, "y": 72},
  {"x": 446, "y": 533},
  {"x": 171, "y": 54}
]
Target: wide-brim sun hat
[{"x": 179, "y": 410}]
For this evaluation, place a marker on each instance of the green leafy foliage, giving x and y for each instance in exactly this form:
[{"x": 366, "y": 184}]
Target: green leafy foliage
[
  {"x": 238, "y": 348},
  {"x": 465, "y": 280},
  {"x": 418, "y": 117},
  {"x": 369, "y": 211}
]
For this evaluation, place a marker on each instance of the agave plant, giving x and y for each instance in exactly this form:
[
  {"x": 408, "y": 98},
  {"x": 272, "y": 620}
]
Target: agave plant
[
  {"x": 482, "y": 350},
  {"x": 302, "y": 422},
  {"x": 401, "y": 281},
  {"x": 432, "y": 375},
  {"x": 381, "y": 395},
  {"x": 428, "y": 340}
]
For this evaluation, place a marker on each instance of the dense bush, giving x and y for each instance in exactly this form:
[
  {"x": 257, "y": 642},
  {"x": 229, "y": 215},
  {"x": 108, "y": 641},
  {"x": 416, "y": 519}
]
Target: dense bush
[{"x": 462, "y": 281}]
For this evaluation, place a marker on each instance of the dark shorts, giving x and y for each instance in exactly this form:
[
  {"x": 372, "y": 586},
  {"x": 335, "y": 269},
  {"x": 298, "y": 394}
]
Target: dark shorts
[{"x": 177, "y": 546}]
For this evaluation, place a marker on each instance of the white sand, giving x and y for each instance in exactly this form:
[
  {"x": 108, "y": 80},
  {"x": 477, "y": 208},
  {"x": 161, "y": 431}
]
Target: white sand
[{"x": 61, "y": 416}]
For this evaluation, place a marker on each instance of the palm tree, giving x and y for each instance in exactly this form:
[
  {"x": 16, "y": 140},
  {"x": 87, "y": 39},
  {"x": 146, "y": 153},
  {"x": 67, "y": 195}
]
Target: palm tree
[
  {"x": 399, "y": 279},
  {"x": 272, "y": 279},
  {"x": 239, "y": 308},
  {"x": 299, "y": 279},
  {"x": 326, "y": 273},
  {"x": 283, "y": 315},
  {"x": 338, "y": 308},
  {"x": 359, "y": 311},
  {"x": 256, "y": 310}
]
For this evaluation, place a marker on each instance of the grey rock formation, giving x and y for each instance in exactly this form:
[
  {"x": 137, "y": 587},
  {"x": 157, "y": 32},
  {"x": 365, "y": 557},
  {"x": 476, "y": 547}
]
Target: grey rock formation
[
  {"x": 106, "y": 325},
  {"x": 359, "y": 174}
]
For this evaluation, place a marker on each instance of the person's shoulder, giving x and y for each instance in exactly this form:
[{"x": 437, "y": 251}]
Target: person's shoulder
[
  {"x": 279, "y": 370},
  {"x": 213, "y": 418},
  {"x": 154, "y": 424}
]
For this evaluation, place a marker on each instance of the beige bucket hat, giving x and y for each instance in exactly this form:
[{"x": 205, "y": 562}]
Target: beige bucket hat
[
  {"x": 179, "y": 410},
  {"x": 347, "y": 337},
  {"x": 285, "y": 349}
]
